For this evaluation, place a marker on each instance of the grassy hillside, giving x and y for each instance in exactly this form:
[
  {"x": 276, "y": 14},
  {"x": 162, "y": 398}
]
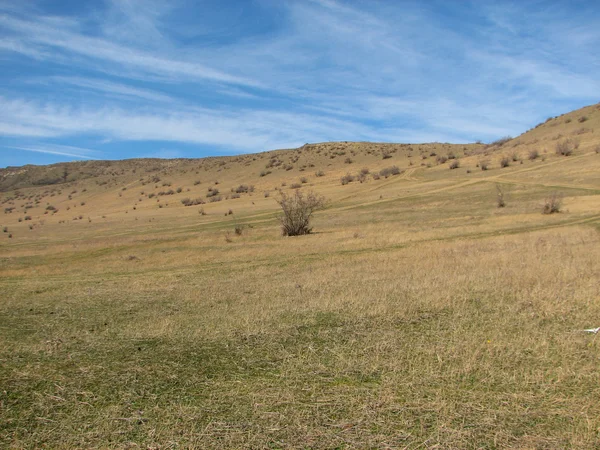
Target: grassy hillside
[{"x": 418, "y": 315}]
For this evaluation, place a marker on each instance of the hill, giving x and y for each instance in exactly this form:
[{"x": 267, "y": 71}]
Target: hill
[{"x": 438, "y": 303}]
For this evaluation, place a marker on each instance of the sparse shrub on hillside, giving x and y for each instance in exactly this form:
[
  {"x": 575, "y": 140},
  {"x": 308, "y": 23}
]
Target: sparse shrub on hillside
[
  {"x": 295, "y": 186},
  {"x": 500, "y": 202},
  {"x": 386, "y": 155},
  {"x": 202, "y": 212},
  {"x": 533, "y": 155},
  {"x": 389, "y": 171},
  {"x": 364, "y": 171},
  {"x": 179, "y": 190},
  {"x": 239, "y": 229},
  {"x": 303, "y": 180},
  {"x": 441, "y": 159},
  {"x": 552, "y": 203},
  {"x": 568, "y": 120},
  {"x": 376, "y": 176},
  {"x": 348, "y": 178},
  {"x": 264, "y": 173},
  {"x": 504, "y": 162},
  {"x": 597, "y": 149},
  {"x": 484, "y": 164},
  {"x": 320, "y": 173},
  {"x": 267, "y": 194},
  {"x": 514, "y": 156},
  {"x": 455, "y": 164},
  {"x": 582, "y": 119},
  {"x": 566, "y": 147},
  {"x": 197, "y": 182},
  {"x": 217, "y": 198},
  {"x": 244, "y": 189},
  {"x": 500, "y": 142},
  {"x": 297, "y": 211},
  {"x": 348, "y": 161},
  {"x": 192, "y": 202},
  {"x": 212, "y": 192}
]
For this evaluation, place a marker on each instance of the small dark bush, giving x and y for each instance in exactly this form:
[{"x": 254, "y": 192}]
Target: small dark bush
[
  {"x": 244, "y": 189},
  {"x": 347, "y": 179},
  {"x": 388, "y": 171},
  {"x": 320, "y": 173},
  {"x": 484, "y": 165},
  {"x": 566, "y": 147},
  {"x": 552, "y": 203},
  {"x": 500, "y": 142},
  {"x": 500, "y": 202},
  {"x": 504, "y": 162},
  {"x": 455, "y": 164},
  {"x": 533, "y": 154}
]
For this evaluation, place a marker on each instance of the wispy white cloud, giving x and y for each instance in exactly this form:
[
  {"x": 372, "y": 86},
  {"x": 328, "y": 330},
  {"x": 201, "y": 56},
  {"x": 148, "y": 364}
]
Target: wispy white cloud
[
  {"x": 54, "y": 149},
  {"x": 68, "y": 40},
  {"x": 316, "y": 70}
]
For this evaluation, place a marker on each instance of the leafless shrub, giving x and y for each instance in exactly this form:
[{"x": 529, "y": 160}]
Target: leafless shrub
[
  {"x": 505, "y": 162},
  {"x": 297, "y": 210},
  {"x": 455, "y": 164},
  {"x": 192, "y": 202},
  {"x": 484, "y": 164},
  {"x": 348, "y": 178},
  {"x": 320, "y": 173},
  {"x": 582, "y": 119},
  {"x": 500, "y": 142},
  {"x": 500, "y": 197},
  {"x": 552, "y": 203},
  {"x": 393, "y": 170},
  {"x": 533, "y": 154},
  {"x": 566, "y": 147}
]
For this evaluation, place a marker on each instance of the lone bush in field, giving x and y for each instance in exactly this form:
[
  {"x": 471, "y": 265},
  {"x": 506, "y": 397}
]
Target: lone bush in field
[
  {"x": 552, "y": 203},
  {"x": 297, "y": 210}
]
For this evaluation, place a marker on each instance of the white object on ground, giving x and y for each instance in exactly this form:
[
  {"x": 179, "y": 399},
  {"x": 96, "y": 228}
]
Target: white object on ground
[{"x": 592, "y": 330}]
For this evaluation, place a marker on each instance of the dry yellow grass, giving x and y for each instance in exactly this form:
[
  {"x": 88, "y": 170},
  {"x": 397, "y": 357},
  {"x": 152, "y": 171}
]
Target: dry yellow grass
[{"x": 419, "y": 315}]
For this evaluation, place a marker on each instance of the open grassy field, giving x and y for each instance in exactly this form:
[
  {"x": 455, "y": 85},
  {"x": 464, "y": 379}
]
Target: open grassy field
[{"x": 417, "y": 315}]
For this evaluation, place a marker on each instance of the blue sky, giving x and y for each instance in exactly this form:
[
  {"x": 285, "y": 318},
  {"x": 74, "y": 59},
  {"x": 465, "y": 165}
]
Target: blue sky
[{"x": 121, "y": 79}]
